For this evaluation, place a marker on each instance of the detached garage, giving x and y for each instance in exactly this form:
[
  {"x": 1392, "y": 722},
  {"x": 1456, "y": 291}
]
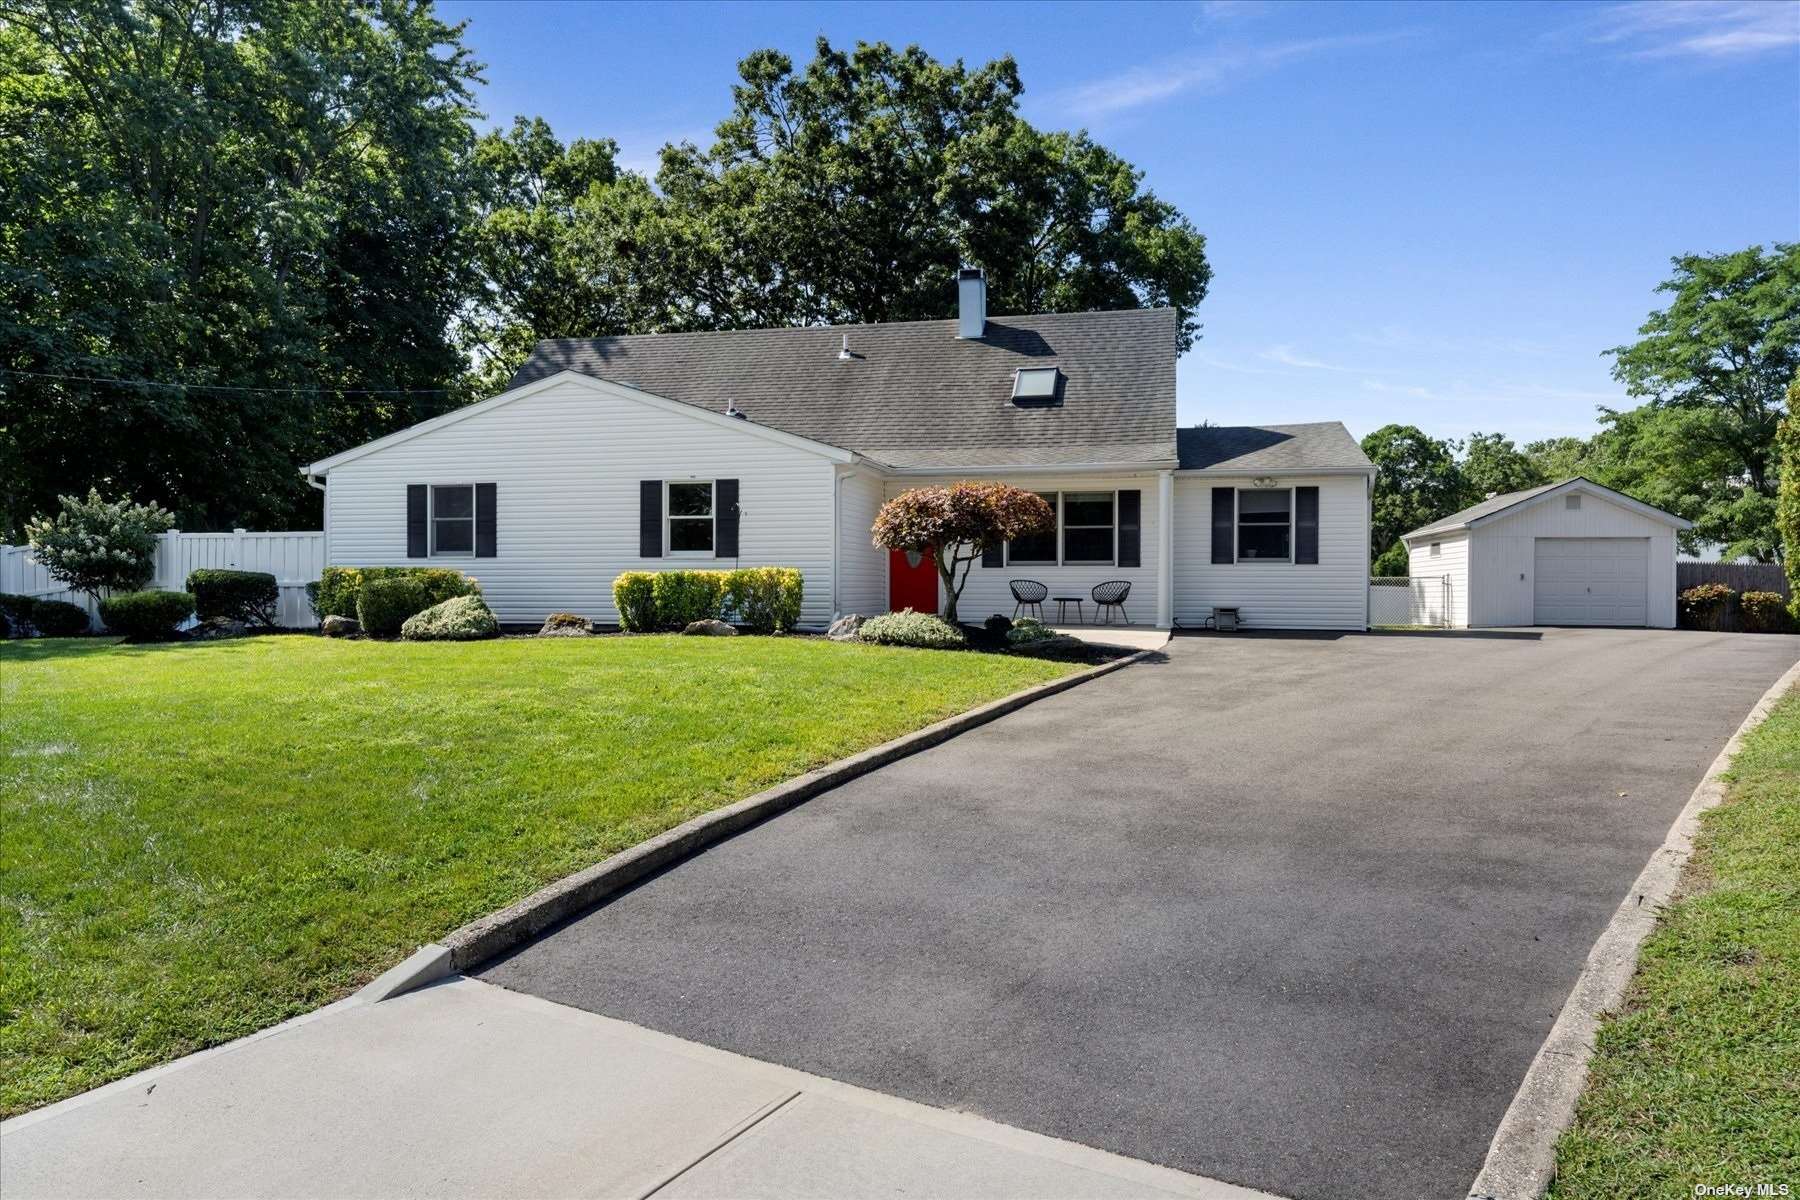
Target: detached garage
[{"x": 1570, "y": 553}]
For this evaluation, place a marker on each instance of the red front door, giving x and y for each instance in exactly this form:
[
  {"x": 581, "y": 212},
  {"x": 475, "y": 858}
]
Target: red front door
[{"x": 909, "y": 586}]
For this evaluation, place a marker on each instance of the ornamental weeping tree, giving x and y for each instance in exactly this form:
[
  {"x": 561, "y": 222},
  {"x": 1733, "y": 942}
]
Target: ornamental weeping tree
[{"x": 956, "y": 524}]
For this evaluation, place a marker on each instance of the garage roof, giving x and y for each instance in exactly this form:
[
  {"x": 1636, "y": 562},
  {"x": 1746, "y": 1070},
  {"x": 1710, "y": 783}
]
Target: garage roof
[{"x": 1493, "y": 506}]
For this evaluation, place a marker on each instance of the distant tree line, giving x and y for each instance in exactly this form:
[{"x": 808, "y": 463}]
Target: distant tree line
[
  {"x": 272, "y": 230},
  {"x": 1711, "y": 369}
]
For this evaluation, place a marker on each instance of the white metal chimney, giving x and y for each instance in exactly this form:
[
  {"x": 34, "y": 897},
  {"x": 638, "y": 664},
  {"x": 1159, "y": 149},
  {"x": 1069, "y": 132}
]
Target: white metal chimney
[{"x": 971, "y": 303}]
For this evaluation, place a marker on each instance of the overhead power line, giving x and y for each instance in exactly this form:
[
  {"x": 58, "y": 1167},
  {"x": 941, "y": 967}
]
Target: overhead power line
[{"x": 227, "y": 387}]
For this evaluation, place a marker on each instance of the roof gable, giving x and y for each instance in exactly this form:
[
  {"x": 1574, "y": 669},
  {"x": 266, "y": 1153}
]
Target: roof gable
[
  {"x": 521, "y": 392},
  {"x": 1510, "y": 503},
  {"x": 912, "y": 393}
]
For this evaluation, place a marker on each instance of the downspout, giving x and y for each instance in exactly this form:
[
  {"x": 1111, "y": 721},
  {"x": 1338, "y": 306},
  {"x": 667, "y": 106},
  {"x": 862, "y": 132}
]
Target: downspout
[
  {"x": 1165, "y": 549},
  {"x": 319, "y": 481},
  {"x": 1368, "y": 533},
  {"x": 837, "y": 503}
]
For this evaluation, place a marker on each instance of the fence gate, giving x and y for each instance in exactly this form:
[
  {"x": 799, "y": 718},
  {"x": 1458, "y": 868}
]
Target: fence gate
[{"x": 1419, "y": 601}]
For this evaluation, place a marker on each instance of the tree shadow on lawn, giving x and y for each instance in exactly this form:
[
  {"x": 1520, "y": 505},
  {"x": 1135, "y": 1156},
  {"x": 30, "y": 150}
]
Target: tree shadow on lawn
[{"x": 28, "y": 650}]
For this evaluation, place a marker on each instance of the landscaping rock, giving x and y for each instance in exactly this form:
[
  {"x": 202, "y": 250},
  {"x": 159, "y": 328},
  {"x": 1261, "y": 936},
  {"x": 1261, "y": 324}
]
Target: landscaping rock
[
  {"x": 220, "y": 627},
  {"x": 844, "y": 629},
  {"x": 339, "y": 627},
  {"x": 711, "y": 628},
  {"x": 566, "y": 625}
]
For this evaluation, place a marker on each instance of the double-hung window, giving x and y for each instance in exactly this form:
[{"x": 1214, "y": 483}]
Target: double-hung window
[
  {"x": 1265, "y": 525},
  {"x": 1038, "y": 547},
  {"x": 453, "y": 519},
  {"x": 1088, "y": 527},
  {"x": 691, "y": 515}
]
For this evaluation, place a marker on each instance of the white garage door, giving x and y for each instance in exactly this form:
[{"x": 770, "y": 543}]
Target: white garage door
[{"x": 1592, "y": 581}]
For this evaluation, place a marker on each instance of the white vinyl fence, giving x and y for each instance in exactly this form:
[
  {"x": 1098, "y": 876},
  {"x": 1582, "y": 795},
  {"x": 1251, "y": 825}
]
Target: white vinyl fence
[
  {"x": 1399, "y": 601},
  {"x": 295, "y": 559}
]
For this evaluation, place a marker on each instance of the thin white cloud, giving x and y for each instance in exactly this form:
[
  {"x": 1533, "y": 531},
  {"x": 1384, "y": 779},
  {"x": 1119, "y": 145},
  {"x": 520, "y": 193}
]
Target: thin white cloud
[
  {"x": 1211, "y": 70},
  {"x": 1399, "y": 337},
  {"x": 1703, "y": 29},
  {"x": 1287, "y": 356}
]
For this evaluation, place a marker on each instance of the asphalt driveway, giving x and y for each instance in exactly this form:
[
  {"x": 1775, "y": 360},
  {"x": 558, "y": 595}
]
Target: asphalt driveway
[{"x": 1289, "y": 912}]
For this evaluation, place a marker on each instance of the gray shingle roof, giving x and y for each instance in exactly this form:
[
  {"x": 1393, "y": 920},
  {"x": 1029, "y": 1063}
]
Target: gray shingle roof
[
  {"x": 1317, "y": 445},
  {"x": 1492, "y": 504},
  {"x": 914, "y": 394}
]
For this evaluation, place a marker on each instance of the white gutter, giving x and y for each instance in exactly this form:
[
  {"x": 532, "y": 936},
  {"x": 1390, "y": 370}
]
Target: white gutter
[
  {"x": 1139, "y": 467},
  {"x": 1276, "y": 472}
]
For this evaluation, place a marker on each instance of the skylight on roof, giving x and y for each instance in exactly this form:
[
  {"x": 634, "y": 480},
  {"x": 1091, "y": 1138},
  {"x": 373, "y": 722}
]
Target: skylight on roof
[{"x": 1035, "y": 383}]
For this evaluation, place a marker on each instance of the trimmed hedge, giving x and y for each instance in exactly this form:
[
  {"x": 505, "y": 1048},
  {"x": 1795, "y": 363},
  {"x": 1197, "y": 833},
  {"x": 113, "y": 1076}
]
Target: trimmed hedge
[
  {"x": 15, "y": 615},
  {"x": 762, "y": 599},
  {"x": 384, "y": 604},
  {"x": 250, "y": 596},
  {"x": 683, "y": 597},
  {"x": 908, "y": 628},
  {"x": 58, "y": 618},
  {"x": 340, "y": 588},
  {"x": 765, "y": 599},
  {"x": 146, "y": 616},
  {"x": 460, "y": 619}
]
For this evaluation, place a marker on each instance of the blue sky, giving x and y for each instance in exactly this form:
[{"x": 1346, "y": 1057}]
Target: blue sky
[{"x": 1434, "y": 214}]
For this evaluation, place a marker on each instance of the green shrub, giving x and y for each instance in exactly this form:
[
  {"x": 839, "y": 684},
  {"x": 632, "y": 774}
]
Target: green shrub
[
  {"x": 146, "y": 616},
  {"x": 765, "y": 599},
  {"x": 634, "y": 595},
  {"x": 15, "y": 615},
  {"x": 1704, "y": 606},
  {"x": 683, "y": 597},
  {"x": 251, "y": 596},
  {"x": 1029, "y": 630},
  {"x": 58, "y": 618},
  {"x": 911, "y": 628},
  {"x": 461, "y": 619},
  {"x": 340, "y": 588},
  {"x": 1764, "y": 612},
  {"x": 382, "y": 605}
]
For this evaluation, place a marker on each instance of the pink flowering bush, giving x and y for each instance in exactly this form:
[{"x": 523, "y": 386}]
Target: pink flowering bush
[{"x": 956, "y": 523}]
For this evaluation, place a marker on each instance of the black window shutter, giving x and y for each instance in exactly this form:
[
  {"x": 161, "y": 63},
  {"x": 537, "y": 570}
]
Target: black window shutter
[
  {"x": 486, "y": 524},
  {"x": 994, "y": 556},
  {"x": 725, "y": 520},
  {"x": 418, "y": 545},
  {"x": 1131, "y": 520},
  {"x": 1224, "y": 524},
  {"x": 1306, "y": 524},
  {"x": 650, "y": 518}
]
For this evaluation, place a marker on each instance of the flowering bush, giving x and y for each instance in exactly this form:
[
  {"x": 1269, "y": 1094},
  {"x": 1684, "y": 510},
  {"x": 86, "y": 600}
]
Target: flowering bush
[
  {"x": 1764, "y": 612},
  {"x": 1704, "y": 605},
  {"x": 99, "y": 546},
  {"x": 957, "y": 523}
]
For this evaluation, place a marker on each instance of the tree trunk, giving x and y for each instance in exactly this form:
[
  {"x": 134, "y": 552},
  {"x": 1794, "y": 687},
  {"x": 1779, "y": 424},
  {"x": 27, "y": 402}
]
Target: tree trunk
[{"x": 947, "y": 572}]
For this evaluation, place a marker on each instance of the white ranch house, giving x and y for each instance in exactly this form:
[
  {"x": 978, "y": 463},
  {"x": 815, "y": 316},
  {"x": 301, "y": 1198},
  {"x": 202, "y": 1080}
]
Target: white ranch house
[{"x": 776, "y": 447}]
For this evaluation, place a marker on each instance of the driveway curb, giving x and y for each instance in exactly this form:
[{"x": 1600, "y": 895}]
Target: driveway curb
[
  {"x": 485, "y": 937},
  {"x": 1521, "y": 1161}
]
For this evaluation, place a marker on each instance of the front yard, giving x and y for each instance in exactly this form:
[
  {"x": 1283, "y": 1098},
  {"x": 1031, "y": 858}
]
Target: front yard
[
  {"x": 199, "y": 840},
  {"x": 1697, "y": 1081}
]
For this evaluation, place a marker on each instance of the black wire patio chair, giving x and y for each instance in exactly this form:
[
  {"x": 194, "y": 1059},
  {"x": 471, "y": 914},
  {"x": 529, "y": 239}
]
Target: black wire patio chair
[
  {"x": 1112, "y": 594},
  {"x": 1030, "y": 594}
]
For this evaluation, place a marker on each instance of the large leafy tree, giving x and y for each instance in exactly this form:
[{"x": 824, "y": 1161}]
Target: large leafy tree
[
  {"x": 1787, "y": 503},
  {"x": 259, "y": 207},
  {"x": 1492, "y": 464},
  {"x": 847, "y": 190},
  {"x": 1417, "y": 480},
  {"x": 1712, "y": 369}
]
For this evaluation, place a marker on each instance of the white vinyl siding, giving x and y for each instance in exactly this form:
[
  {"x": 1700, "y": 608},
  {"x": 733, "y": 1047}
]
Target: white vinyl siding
[
  {"x": 1441, "y": 578},
  {"x": 1332, "y": 593},
  {"x": 987, "y": 593},
  {"x": 862, "y": 565},
  {"x": 567, "y": 462},
  {"x": 1503, "y": 556}
]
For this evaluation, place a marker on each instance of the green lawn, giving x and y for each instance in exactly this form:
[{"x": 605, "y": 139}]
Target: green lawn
[
  {"x": 198, "y": 840},
  {"x": 1697, "y": 1079}
]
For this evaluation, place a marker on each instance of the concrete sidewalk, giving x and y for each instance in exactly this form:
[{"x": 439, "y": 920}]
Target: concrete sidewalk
[{"x": 467, "y": 1089}]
